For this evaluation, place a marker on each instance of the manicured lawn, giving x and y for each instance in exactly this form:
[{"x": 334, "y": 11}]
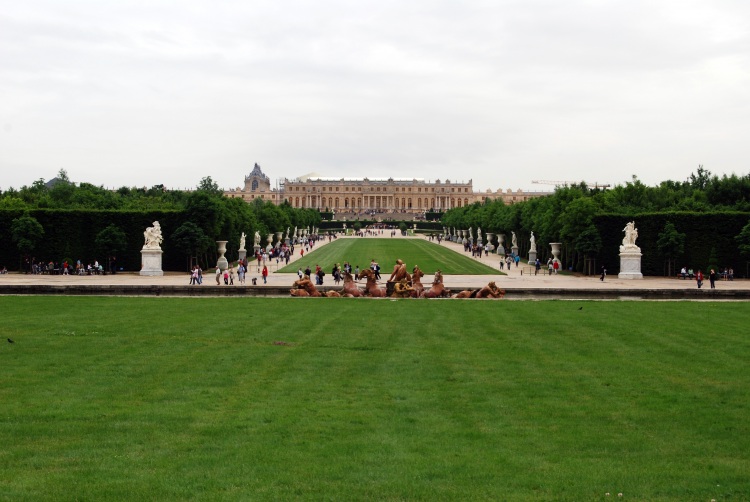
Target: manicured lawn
[
  {"x": 350, "y": 399},
  {"x": 428, "y": 255}
]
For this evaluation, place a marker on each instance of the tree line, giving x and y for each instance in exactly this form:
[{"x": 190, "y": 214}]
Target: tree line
[
  {"x": 80, "y": 221},
  {"x": 702, "y": 222}
]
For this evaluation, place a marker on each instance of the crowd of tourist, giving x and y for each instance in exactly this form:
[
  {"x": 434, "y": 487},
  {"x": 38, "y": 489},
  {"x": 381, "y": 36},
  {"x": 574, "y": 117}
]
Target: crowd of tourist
[{"x": 34, "y": 266}]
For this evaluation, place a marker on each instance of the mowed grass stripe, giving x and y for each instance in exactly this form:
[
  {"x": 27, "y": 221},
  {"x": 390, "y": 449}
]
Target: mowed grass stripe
[
  {"x": 429, "y": 256},
  {"x": 156, "y": 398}
]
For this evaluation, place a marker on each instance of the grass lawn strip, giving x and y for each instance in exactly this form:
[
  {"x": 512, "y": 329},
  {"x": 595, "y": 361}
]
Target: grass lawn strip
[
  {"x": 155, "y": 398},
  {"x": 428, "y": 255}
]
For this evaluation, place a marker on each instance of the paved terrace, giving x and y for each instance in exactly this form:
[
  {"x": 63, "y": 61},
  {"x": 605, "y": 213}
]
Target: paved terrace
[{"x": 517, "y": 282}]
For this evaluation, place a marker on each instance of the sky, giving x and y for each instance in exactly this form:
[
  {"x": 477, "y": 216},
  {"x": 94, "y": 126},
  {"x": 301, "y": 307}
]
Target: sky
[{"x": 502, "y": 92}]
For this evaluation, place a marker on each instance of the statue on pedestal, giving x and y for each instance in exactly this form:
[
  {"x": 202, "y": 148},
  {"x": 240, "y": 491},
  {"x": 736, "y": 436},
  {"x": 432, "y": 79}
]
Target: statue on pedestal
[
  {"x": 151, "y": 252},
  {"x": 257, "y": 239},
  {"x": 242, "y": 241},
  {"x": 532, "y": 247},
  {"x": 631, "y": 234},
  {"x": 514, "y": 240},
  {"x": 630, "y": 254},
  {"x": 153, "y": 237}
]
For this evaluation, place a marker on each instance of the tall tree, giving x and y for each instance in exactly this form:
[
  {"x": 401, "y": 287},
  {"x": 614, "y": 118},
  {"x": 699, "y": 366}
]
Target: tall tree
[
  {"x": 671, "y": 244},
  {"x": 26, "y": 232},
  {"x": 209, "y": 186},
  {"x": 110, "y": 242},
  {"x": 192, "y": 241}
]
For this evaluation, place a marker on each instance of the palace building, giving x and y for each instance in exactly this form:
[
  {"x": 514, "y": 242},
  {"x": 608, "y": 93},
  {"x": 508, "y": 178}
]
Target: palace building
[{"x": 357, "y": 195}]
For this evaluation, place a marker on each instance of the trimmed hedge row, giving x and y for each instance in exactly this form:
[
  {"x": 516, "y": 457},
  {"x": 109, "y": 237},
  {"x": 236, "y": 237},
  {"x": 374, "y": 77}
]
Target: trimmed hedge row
[
  {"x": 704, "y": 232},
  {"x": 72, "y": 234}
]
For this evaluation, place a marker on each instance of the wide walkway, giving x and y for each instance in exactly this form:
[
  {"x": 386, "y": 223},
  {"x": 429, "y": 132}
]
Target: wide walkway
[{"x": 513, "y": 280}]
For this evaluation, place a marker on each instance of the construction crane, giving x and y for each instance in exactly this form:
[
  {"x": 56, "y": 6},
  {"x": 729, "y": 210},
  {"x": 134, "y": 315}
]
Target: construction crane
[{"x": 558, "y": 183}]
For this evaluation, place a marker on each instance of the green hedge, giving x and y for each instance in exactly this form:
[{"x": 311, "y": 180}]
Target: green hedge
[
  {"x": 72, "y": 234},
  {"x": 703, "y": 231}
]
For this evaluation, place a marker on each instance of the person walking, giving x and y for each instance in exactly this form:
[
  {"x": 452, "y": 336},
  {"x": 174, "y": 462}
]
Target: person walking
[
  {"x": 265, "y": 274},
  {"x": 218, "y": 276},
  {"x": 699, "y": 278},
  {"x": 712, "y": 278},
  {"x": 604, "y": 273}
]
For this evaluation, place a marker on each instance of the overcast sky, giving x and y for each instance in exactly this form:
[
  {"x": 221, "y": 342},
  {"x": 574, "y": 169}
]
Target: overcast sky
[{"x": 141, "y": 93}]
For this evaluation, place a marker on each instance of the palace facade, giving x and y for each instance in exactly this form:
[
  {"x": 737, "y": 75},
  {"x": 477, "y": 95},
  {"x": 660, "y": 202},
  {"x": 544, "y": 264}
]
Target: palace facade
[{"x": 404, "y": 195}]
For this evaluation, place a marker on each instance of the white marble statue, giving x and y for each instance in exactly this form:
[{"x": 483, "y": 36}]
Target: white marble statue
[
  {"x": 532, "y": 247},
  {"x": 479, "y": 233},
  {"x": 153, "y": 237},
  {"x": 470, "y": 236},
  {"x": 242, "y": 241},
  {"x": 631, "y": 234},
  {"x": 257, "y": 239},
  {"x": 514, "y": 240},
  {"x": 286, "y": 237}
]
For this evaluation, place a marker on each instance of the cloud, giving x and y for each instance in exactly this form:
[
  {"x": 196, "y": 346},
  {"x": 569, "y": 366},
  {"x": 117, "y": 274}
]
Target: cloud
[{"x": 500, "y": 92}]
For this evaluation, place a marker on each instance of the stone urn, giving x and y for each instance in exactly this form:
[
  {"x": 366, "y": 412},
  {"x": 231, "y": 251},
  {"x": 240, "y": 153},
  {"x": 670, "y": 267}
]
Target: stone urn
[
  {"x": 490, "y": 246},
  {"x": 222, "y": 262},
  {"x": 556, "y": 248}
]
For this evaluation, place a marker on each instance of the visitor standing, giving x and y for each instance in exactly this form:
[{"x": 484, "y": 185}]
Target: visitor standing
[
  {"x": 712, "y": 278},
  {"x": 699, "y": 278},
  {"x": 265, "y": 274}
]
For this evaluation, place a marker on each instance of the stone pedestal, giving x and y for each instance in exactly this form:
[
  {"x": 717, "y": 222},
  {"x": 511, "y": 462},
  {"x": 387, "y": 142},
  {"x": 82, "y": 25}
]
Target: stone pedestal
[
  {"x": 222, "y": 262},
  {"x": 242, "y": 254},
  {"x": 256, "y": 250},
  {"x": 151, "y": 261},
  {"x": 630, "y": 264},
  {"x": 514, "y": 250},
  {"x": 532, "y": 257}
]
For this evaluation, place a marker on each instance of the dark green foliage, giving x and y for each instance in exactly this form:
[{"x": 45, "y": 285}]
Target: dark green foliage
[
  {"x": 190, "y": 240},
  {"x": 743, "y": 241},
  {"x": 589, "y": 241},
  {"x": 671, "y": 244},
  {"x": 26, "y": 233},
  {"x": 111, "y": 241},
  {"x": 713, "y": 262},
  {"x": 705, "y": 211},
  {"x": 703, "y": 231},
  {"x": 76, "y": 219},
  {"x": 209, "y": 186}
]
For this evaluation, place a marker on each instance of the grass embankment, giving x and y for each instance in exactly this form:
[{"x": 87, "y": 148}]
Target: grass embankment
[
  {"x": 164, "y": 399},
  {"x": 428, "y": 255}
]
